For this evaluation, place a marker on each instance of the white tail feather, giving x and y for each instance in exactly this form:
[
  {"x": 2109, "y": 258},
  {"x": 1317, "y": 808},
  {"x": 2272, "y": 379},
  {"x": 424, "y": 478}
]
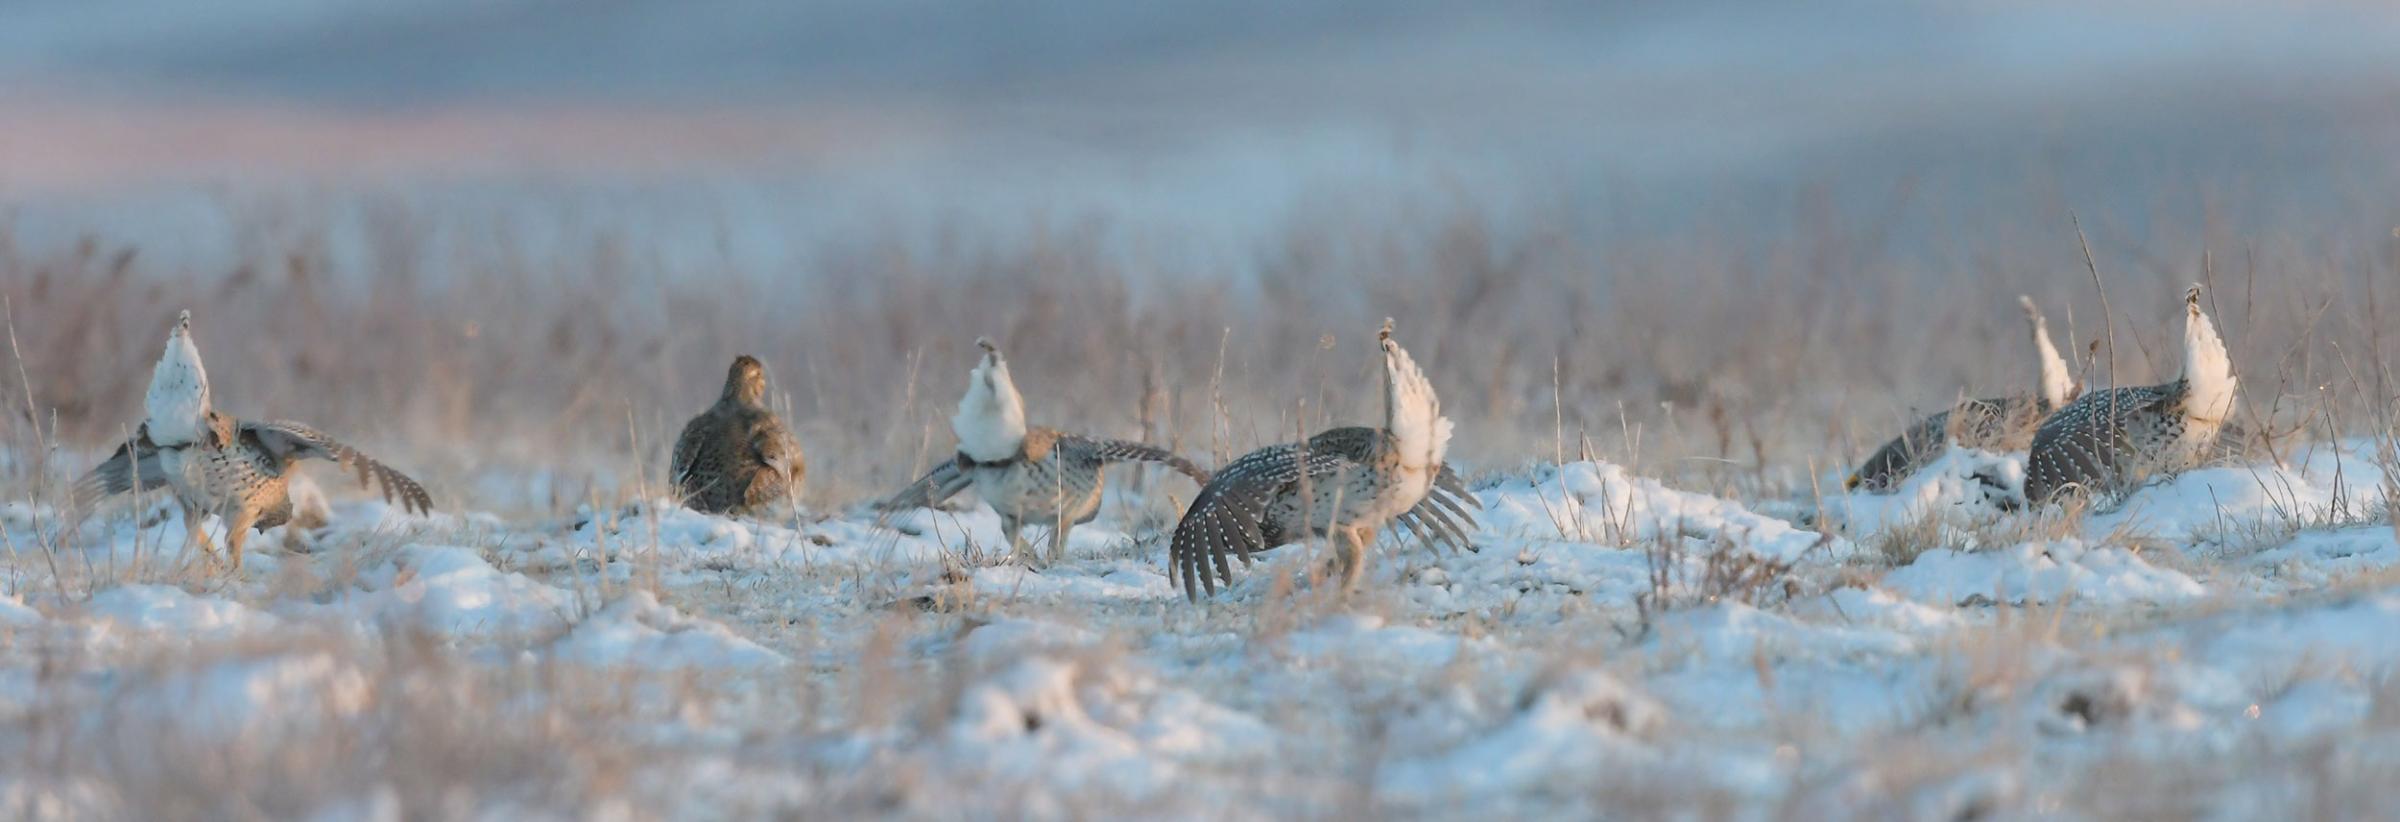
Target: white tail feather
[
  {"x": 1411, "y": 410},
  {"x": 2058, "y": 383},
  {"x": 177, "y": 402},
  {"x": 2207, "y": 370},
  {"x": 990, "y": 423}
]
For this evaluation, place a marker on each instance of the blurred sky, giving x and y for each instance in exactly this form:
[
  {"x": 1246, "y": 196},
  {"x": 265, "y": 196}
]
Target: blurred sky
[{"x": 1207, "y": 122}]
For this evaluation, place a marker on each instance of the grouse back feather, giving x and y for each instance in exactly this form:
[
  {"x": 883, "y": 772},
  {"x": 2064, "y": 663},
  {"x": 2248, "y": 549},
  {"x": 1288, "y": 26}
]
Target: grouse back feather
[{"x": 2108, "y": 442}]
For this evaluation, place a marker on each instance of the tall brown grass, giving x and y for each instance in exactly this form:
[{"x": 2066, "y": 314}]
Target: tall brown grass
[{"x": 1730, "y": 359}]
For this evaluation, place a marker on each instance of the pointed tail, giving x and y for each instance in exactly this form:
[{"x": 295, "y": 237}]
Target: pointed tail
[
  {"x": 2207, "y": 370},
  {"x": 2058, "y": 383},
  {"x": 1412, "y": 412}
]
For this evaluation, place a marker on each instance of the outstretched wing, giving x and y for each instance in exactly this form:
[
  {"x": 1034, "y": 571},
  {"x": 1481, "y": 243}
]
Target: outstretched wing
[
  {"x": 134, "y": 465},
  {"x": 1227, "y": 518},
  {"x": 1104, "y": 451},
  {"x": 291, "y": 440},
  {"x": 936, "y": 487},
  {"x": 1900, "y": 457}
]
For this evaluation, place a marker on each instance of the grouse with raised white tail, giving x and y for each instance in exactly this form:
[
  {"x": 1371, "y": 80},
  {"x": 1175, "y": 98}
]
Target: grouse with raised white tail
[
  {"x": 1995, "y": 424},
  {"x": 1029, "y": 475},
  {"x": 1345, "y": 483},
  {"x": 2109, "y": 442}
]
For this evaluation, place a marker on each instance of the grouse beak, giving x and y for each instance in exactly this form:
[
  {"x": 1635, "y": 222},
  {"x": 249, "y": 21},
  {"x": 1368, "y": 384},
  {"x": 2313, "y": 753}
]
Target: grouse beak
[{"x": 183, "y": 322}]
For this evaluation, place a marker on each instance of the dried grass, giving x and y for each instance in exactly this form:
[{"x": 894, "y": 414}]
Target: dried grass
[{"x": 464, "y": 350}]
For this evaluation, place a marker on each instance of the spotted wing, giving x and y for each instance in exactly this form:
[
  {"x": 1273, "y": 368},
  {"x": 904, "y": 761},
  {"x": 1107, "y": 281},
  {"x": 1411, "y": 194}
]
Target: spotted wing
[
  {"x": 1227, "y": 519},
  {"x": 1901, "y": 457},
  {"x": 2088, "y": 445},
  {"x": 291, "y": 440},
  {"x": 936, "y": 487},
  {"x": 133, "y": 465},
  {"x": 1107, "y": 451}
]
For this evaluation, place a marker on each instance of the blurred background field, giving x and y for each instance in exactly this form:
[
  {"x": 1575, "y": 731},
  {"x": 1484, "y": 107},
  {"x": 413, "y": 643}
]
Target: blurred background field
[
  {"x": 1729, "y": 244},
  {"x": 1673, "y": 267}
]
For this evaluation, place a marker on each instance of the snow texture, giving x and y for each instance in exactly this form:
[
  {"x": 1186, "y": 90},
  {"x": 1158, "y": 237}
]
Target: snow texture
[{"x": 1614, "y": 647}]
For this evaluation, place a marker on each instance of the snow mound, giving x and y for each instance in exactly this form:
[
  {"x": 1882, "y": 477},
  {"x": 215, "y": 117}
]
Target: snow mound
[
  {"x": 1561, "y": 539},
  {"x": 1962, "y": 486},
  {"x": 1055, "y": 707},
  {"x": 15, "y": 614},
  {"x": 2317, "y": 558},
  {"x": 1364, "y": 643},
  {"x": 2199, "y": 501},
  {"x": 253, "y": 703},
  {"x": 637, "y": 630},
  {"x": 1069, "y": 584},
  {"x": 999, "y": 641},
  {"x": 2041, "y": 572},
  {"x": 1879, "y": 608},
  {"x": 1576, "y": 725},
  {"x": 2356, "y": 634},
  {"x": 1737, "y": 634},
  {"x": 453, "y": 592},
  {"x": 1082, "y": 725},
  {"x": 2105, "y": 697},
  {"x": 162, "y": 609},
  {"x": 681, "y": 537},
  {"x": 1597, "y": 502}
]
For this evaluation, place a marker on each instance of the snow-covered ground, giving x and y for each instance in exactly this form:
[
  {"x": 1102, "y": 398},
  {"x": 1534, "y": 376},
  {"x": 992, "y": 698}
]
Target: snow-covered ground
[{"x": 2220, "y": 644}]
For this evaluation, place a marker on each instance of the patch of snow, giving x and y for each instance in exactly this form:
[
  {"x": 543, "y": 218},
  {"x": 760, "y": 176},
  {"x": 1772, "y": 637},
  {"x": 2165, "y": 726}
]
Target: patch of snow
[
  {"x": 2041, "y": 572},
  {"x": 680, "y": 536},
  {"x": 1734, "y": 632},
  {"x": 251, "y": 703},
  {"x": 1517, "y": 680},
  {"x": 2198, "y": 501},
  {"x": 1597, "y": 502},
  {"x": 1879, "y": 608},
  {"x": 2355, "y": 635},
  {"x": 453, "y": 592},
  {"x": 1002, "y": 640},
  {"x": 2316, "y": 708},
  {"x": 2104, "y": 698},
  {"x": 1073, "y": 584},
  {"x": 2318, "y": 558},
  {"x": 1082, "y": 726},
  {"x": 166, "y": 610},
  {"x": 1365, "y": 643},
  {"x": 1581, "y": 723},
  {"x": 15, "y": 614},
  {"x": 637, "y": 630},
  {"x": 1961, "y": 487}
]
